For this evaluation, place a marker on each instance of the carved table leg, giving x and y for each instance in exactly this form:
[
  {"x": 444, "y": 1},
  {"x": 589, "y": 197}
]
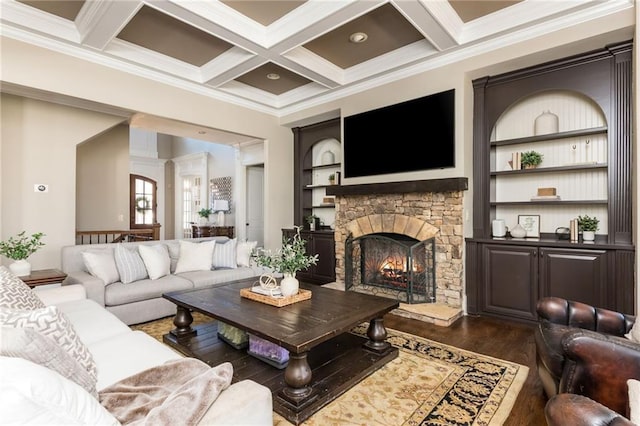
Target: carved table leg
[
  {"x": 182, "y": 321},
  {"x": 377, "y": 333},
  {"x": 297, "y": 376}
]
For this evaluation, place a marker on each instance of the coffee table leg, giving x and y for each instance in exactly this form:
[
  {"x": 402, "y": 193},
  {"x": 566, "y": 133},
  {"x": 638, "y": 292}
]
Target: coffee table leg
[
  {"x": 297, "y": 376},
  {"x": 182, "y": 321},
  {"x": 377, "y": 333}
]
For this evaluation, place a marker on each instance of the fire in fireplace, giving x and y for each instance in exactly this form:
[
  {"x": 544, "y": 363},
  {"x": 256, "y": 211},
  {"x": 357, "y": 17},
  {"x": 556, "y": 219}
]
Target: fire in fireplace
[{"x": 391, "y": 265}]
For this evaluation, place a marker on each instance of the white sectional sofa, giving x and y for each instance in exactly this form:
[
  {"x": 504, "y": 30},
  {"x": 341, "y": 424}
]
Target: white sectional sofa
[
  {"x": 141, "y": 300},
  {"x": 31, "y": 393}
]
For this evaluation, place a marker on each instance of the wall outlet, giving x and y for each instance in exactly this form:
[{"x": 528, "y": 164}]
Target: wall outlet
[{"x": 40, "y": 187}]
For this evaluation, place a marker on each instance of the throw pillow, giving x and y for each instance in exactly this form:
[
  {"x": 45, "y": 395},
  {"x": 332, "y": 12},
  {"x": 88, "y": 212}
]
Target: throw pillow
[
  {"x": 634, "y": 333},
  {"x": 195, "y": 256},
  {"x": 28, "y": 344},
  {"x": 15, "y": 294},
  {"x": 33, "y": 394},
  {"x": 244, "y": 250},
  {"x": 156, "y": 260},
  {"x": 634, "y": 400},
  {"x": 129, "y": 263},
  {"x": 224, "y": 255},
  {"x": 101, "y": 264},
  {"x": 54, "y": 324}
]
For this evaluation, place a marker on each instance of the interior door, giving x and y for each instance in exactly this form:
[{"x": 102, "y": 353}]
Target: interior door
[{"x": 255, "y": 204}]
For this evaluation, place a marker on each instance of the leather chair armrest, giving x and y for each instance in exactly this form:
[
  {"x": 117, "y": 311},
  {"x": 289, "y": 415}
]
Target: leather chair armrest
[
  {"x": 577, "y": 410},
  {"x": 576, "y": 314},
  {"x": 598, "y": 366}
]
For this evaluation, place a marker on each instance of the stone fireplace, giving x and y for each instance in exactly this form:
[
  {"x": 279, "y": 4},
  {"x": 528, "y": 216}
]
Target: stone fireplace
[{"x": 420, "y": 210}]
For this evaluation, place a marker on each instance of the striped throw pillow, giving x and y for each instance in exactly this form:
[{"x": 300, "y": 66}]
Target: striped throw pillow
[
  {"x": 224, "y": 255},
  {"x": 130, "y": 265}
]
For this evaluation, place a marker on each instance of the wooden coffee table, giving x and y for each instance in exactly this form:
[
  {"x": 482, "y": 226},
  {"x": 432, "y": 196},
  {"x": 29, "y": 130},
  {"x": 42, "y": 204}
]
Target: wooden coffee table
[{"x": 324, "y": 358}]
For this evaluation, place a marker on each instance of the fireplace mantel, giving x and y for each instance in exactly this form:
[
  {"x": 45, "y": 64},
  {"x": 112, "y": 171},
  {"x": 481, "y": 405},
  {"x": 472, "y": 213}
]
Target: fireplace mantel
[{"x": 428, "y": 185}]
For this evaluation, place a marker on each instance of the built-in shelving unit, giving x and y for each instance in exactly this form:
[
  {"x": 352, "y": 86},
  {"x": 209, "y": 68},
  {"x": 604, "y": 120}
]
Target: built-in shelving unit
[{"x": 587, "y": 159}]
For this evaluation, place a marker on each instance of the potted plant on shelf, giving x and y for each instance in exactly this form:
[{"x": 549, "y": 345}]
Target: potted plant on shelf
[
  {"x": 531, "y": 159},
  {"x": 313, "y": 221},
  {"x": 288, "y": 260},
  {"x": 19, "y": 248},
  {"x": 588, "y": 226},
  {"x": 204, "y": 215},
  {"x": 332, "y": 179}
]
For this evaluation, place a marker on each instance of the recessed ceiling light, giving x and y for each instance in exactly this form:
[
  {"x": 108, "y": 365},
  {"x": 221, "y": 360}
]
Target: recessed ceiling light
[
  {"x": 358, "y": 37},
  {"x": 273, "y": 76},
  {"x": 201, "y": 132}
]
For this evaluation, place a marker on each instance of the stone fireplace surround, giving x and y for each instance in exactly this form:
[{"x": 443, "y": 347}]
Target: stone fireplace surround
[{"x": 417, "y": 209}]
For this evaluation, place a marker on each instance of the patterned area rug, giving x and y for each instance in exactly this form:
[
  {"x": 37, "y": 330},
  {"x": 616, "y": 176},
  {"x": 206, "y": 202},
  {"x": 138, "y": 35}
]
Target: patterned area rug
[{"x": 428, "y": 384}]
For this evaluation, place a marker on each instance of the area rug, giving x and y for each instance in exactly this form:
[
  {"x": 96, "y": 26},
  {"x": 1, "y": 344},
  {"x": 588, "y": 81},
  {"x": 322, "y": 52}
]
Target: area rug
[{"x": 429, "y": 384}]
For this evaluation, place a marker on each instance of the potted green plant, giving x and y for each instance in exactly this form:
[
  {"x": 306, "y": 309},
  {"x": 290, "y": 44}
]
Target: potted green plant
[
  {"x": 588, "y": 226},
  {"x": 204, "y": 214},
  {"x": 332, "y": 179},
  {"x": 18, "y": 249},
  {"x": 313, "y": 221},
  {"x": 531, "y": 159},
  {"x": 288, "y": 260}
]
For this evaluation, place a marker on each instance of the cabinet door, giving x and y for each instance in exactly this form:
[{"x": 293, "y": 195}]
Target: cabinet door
[
  {"x": 324, "y": 246},
  {"x": 579, "y": 275},
  {"x": 510, "y": 281}
]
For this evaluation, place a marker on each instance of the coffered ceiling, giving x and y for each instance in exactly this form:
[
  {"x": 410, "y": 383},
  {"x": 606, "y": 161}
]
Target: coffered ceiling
[{"x": 281, "y": 56}]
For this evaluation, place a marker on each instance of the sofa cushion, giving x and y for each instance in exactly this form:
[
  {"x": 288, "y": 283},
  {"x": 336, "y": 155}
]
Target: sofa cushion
[
  {"x": 224, "y": 255},
  {"x": 156, "y": 260},
  {"x": 15, "y": 294},
  {"x": 219, "y": 276},
  {"x": 117, "y": 358},
  {"x": 32, "y": 346},
  {"x": 33, "y": 394},
  {"x": 634, "y": 400},
  {"x": 85, "y": 314},
  {"x": 634, "y": 333},
  {"x": 195, "y": 256},
  {"x": 101, "y": 264},
  {"x": 119, "y": 293},
  {"x": 54, "y": 324},
  {"x": 243, "y": 251},
  {"x": 129, "y": 263}
]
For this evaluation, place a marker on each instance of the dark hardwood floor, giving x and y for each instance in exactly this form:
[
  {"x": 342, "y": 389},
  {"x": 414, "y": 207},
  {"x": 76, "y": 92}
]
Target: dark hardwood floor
[{"x": 502, "y": 339}]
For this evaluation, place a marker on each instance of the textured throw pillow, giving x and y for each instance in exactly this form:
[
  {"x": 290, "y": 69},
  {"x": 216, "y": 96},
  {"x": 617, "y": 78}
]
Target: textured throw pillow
[
  {"x": 101, "y": 264},
  {"x": 34, "y": 395},
  {"x": 224, "y": 255},
  {"x": 195, "y": 256},
  {"x": 244, "y": 250},
  {"x": 156, "y": 260},
  {"x": 54, "y": 324},
  {"x": 28, "y": 344},
  {"x": 15, "y": 294},
  {"x": 634, "y": 400},
  {"x": 634, "y": 333},
  {"x": 129, "y": 263}
]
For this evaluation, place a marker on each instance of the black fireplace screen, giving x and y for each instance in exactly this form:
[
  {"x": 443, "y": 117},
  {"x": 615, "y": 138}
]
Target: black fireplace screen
[{"x": 391, "y": 265}]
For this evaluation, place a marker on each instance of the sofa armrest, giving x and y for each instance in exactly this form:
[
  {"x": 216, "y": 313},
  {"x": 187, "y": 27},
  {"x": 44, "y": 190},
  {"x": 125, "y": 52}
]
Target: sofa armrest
[
  {"x": 54, "y": 295},
  {"x": 578, "y": 410},
  {"x": 576, "y": 314},
  {"x": 93, "y": 286},
  {"x": 598, "y": 366}
]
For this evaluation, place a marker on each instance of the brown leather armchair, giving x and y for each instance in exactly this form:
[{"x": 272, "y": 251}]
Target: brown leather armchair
[
  {"x": 577, "y": 410},
  {"x": 581, "y": 349}
]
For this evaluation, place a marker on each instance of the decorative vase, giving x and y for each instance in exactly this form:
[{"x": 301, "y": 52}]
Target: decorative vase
[
  {"x": 20, "y": 268},
  {"x": 545, "y": 123},
  {"x": 289, "y": 285},
  {"x": 328, "y": 157},
  {"x": 518, "y": 231},
  {"x": 588, "y": 235}
]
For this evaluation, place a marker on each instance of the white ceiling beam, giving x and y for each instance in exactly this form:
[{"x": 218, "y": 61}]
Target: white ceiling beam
[
  {"x": 436, "y": 21},
  {"x": 99, "y": 22}
]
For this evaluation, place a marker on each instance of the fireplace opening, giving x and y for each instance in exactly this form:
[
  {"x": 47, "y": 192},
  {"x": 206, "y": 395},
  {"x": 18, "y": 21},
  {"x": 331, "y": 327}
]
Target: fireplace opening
[{"x": 391, "y": 265}]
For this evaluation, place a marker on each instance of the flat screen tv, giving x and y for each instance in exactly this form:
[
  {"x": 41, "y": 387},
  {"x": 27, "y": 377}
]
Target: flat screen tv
[{"x": 407, "y": 137}]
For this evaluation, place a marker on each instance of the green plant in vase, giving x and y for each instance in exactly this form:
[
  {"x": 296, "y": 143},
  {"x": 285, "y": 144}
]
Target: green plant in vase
[
  {"x": 588, "y": 226},
  {"x": 531, "y": 159},
  {"x": 204, "y": 214},
  {"x": 18, "y": 249},
  {"x": 313, "y": 221}
]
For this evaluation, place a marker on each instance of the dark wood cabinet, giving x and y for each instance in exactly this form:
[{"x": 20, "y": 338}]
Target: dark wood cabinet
[
  {"x": 200, "y": 231},
  {"x": 505, "y": 276},
  {"x": 321, "y": 243}
]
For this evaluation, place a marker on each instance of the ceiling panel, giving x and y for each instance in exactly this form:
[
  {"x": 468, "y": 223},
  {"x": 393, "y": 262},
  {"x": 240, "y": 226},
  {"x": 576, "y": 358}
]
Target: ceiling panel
[
  {"x": 265, "y": 12},
  {"x": 64, "y": 9}
]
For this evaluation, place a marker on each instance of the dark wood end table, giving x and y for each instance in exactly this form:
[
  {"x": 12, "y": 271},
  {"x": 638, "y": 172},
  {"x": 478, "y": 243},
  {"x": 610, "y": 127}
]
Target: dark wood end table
[{"x": 43, "y": 276}]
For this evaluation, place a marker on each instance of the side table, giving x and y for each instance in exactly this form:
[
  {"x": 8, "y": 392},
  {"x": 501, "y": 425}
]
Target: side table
[{"x": 43, "y": 276}]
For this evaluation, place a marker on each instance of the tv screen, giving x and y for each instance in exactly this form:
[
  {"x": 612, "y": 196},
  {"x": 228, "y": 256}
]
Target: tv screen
[{"x": 406, "y": 137}]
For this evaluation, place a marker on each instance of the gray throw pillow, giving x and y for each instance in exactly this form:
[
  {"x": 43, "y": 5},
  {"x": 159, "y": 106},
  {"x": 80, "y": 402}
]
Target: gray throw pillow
[{"x": 130, "y": 265}]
